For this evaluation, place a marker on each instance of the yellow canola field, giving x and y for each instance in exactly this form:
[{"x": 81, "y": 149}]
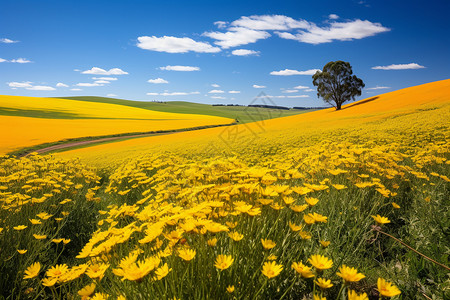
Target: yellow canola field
[
  {"x": 394, "y": 113},
  {"x": 97, "y": 119}
]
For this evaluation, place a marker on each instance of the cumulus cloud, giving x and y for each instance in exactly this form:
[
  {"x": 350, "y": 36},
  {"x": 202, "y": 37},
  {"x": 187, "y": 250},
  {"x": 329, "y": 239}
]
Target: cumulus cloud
[
  {"x": 236, "y": 36},
  {"x": 378, "y": 88},
  {"x": 288, "y": 72},
  {"x": 2, "y": 60},
  {"x": 20, "y": 60},
  {"x": 157, "y": 81},
  {"x": 234, "y": 92},
  {"x": 180, "y": 68},
  {"x": 25, "y": 84},
  {"x": 297, "y": 96},
  {"x": 300, "y": 87},
  {"x": 100, "y": 71},
  {"x": 102, "y": 81},
  {"x": 310, "y": 90},
  {"x": 399, "y": 67},
  {"x": 215, "y": 85},
  {"x": 270, "y": 22},
  {"x": 342, "y": 31},
  {"x": 76, "y": 89},
  {"x": 173, "y": 94},
  {"x": 333, "y": 17},
  {"x": 259, "y": 86},
  {"x": 216, "y": 92},
  {"x": 244, "y": 52},
  {"x": 105, "y": 78},
  {"x": 217, "y": 97},
  {"x": 221, "y": 24},
  {"x": 171, "y": 44},
  {"x": 41, "y": 88},
  {"x": 88, "y": 84},
  {"x": 60, "y": 84},
  {"x": 7, "y": 41},
  {"x": 290, "y": 91}
]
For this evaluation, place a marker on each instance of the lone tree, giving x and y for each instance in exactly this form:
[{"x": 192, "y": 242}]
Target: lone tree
[{"x": 336, "y": 84}]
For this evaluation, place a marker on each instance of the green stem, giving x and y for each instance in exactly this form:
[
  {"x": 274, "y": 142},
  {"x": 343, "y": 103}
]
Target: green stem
[
  {"x": 340, "y": 291},
  {"x": 259, "y": 291}
]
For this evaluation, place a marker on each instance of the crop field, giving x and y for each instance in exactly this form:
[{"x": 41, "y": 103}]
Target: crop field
[
  {"x": 350, "y": 204},
  {"x": 27, "y": 118}
]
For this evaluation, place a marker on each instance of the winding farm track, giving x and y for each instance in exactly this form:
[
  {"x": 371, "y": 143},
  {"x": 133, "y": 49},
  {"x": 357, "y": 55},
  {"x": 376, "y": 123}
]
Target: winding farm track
[{"x": 72, "y": 144}]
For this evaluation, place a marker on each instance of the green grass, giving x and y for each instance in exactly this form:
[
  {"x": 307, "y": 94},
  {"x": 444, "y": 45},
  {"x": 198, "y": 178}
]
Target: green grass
[{"x": 243, "y": 114}]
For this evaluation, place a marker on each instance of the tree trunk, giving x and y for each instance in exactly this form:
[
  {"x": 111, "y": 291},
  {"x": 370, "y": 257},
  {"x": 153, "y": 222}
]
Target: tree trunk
[{"x": 338, "y": 106}]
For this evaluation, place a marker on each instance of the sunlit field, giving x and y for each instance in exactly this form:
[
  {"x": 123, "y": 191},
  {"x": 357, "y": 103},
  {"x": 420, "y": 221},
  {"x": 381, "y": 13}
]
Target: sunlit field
[
  {"x": 27, "y": 118},
  {"x": 324, "y": 205}
]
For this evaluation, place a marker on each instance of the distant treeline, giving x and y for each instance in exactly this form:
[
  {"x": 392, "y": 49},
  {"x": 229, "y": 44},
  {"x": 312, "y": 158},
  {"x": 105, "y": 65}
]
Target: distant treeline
[{"x": 271, "y": 106}]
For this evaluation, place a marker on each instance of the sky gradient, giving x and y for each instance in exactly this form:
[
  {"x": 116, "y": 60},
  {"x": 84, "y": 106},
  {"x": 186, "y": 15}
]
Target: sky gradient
[{"x": 226, "y": 52}]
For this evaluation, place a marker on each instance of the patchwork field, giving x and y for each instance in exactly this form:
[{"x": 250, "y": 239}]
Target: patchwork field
[
  {"x": 26, "y": 119},
  {"x": 350, "y": 204}
]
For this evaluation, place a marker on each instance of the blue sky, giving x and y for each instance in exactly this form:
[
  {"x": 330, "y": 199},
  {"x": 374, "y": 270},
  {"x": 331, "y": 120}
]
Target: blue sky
[{"x": 217, "y": 52}]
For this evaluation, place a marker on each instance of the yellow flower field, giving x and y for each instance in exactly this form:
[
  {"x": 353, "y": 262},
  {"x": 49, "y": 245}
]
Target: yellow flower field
[
  {"x": 300, "y": 207},
  {"x": 73, "y": 119}
]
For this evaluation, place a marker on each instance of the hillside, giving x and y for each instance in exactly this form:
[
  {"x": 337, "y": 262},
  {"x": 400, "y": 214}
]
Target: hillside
[
  {"x": 31, "y": 121},
  {"x": 394, "y": 112},
  {"x": 243, "y": 114}
]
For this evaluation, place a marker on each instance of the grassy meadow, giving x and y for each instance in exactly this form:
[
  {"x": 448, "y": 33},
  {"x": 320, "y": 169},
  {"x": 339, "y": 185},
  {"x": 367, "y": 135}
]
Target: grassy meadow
[{"x": 350, "y": 204}]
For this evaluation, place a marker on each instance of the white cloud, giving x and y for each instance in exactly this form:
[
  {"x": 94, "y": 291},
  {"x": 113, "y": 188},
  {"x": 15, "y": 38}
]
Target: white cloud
[
  {"x": 171, "y": 44},
  {"x": 105, "y": 78},
  {"x": 234, "y": 92},
  {"x": 217, "y": 97},
  {"x": 342, "y": 31},
  {"x": 300, "y": 87},
  {"x": 378, "y": 88},
  {"x": 173, "y": 94},
  {"x": 216, "y": 92},
  {"x": 288, "y": 72},
  {"x": 215, "y": 85},
  {"x": 88, "y": 84},
  {"x": 259, "y": 86},
  {"x": 298, "y": 96},
  {"x": 237, "y": 36},
  {"x": 76, "y": 89},
  {"x": 180, "y": 68},
  {"x": 14, "y": 84},
  {"x": 244, "y": 52},
  {"x": 77, "y": 70},
  {"x": 333, "y": 17},
  {"x": 102, "y": 81},
  {"x": 2, "y": 60},
  {"x": 20, "y": 60},
  {"x": 41, "y": 88},
  {"x": 399, "y": 67},
  {"x": 111, "y": 95},
  {"x": 60, "y": 84},
  {"x": 310, "y": 90},
  {"x": 7, "y": 41},
  {"x": 270, "y": 22},
  {"x": 290, "y": 91},
  {"x": 99, "y": 71},
  {"x": 221, "y": 24},
  {"x": 157, "y": 81}
]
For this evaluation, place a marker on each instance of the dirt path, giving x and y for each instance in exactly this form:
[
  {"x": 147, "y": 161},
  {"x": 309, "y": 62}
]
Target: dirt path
[
  {"x": 70, "y": 144},
  {"x": 81, "y": 143}
]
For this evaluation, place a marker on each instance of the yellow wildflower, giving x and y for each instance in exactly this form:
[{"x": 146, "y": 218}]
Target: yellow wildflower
[
  {"x": 381, "y": 220},
  {"x": 323, "y": 283},
  {"x": 320, "y": 262},
  {"x": 223, "y": 261},
  {"x": 268, "y": 244},
  {"x": 32, "y": 271},
  {"x": 352, "y": 295},
  {"x": 271, "y": 269},
  {"x": 387, "y": 289},
  {"x": 303, "y": 270},
  {"x": 349, "y": 274},
  {"x": 187, "y": 254}
]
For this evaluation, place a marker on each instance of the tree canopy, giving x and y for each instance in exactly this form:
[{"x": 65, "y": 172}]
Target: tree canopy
[{"x": 336, "y": 84}]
